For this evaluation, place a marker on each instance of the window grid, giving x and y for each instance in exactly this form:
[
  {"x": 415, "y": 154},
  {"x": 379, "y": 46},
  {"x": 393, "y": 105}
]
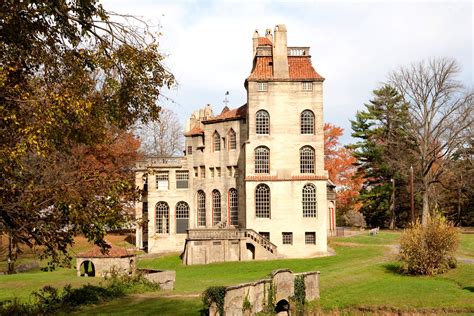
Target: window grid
[
  {"x": 262, "y": 86},
  {"x": 182, "y": 217},
  {"x": 232, "y": 140},
  {"x": 287, "y": 238},
  {"x": 234, "y": 207},
  {"x": 262, "y": 160},
  {"x": 307, "y": 86},
  {"x": 262, "y": 122},
  {"x": 309, "y": 201},
  {"x": 201, "y": 208},
  {"x": 307, "y": 122},
  {"x": 262, "y": 201},
  {"x": 190, "y": 150},
  {"x": 310, "y": 238},
  {"x": 307, "y": 159},
  {"x": 182, "y": 178},
  {"x": 216, "y": 207},
  {"x": 162, "y": 218},
  {"x": 162, "y": 182},
  {"x": 217, "y": 141},
  {"x": 203, "y": 172}
]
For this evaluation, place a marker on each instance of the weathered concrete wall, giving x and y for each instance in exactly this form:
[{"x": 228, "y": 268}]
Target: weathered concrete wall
[
  {"x": 165, "y": 278},
  {"x": 257, "y": 292},
  {"x": 103, "y": 266}
]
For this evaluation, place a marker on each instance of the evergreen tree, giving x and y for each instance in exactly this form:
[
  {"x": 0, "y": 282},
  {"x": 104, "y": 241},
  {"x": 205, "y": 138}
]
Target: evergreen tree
[{"x": 384, "y": 154}]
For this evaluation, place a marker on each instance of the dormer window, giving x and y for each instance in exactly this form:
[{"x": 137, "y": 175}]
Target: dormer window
[
  {"x": 307, "y": 86},
  {"x": 262, "y": 86}
]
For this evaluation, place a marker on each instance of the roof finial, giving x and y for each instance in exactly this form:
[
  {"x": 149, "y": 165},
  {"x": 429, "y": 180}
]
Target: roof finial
[{"x": 226, "y": 101}]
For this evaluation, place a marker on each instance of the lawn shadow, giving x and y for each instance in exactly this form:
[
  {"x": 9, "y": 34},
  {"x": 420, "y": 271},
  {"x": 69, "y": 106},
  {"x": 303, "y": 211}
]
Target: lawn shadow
[
  {"x": 393, "y": 268},
  {"x": 469, "y": 288}
]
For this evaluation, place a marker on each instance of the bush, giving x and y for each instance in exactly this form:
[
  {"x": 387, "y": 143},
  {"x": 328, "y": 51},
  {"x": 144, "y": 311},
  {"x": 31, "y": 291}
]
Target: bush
[
  {"x": 429, "y": 250},
  {"x": 214, "y": 294},
  {"x": 354, "y": 218}
]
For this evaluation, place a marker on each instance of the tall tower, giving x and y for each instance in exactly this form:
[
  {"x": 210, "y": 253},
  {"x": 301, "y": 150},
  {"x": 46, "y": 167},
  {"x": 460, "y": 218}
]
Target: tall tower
[{"x": 285, "y": 180}]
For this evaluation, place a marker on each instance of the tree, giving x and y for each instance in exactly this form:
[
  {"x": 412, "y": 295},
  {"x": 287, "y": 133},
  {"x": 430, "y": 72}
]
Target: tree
[
  {"x": 382, "y": 131},
  {"x": 440, "y": 117},
  {"x": 339, "y": 162},
  {"x": 164, "y": 137},
  {"x": 72, "y": 81}
]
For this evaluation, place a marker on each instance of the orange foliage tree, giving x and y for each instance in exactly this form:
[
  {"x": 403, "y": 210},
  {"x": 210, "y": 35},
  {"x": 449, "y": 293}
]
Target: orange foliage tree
[{"x": 339, "y": 162}]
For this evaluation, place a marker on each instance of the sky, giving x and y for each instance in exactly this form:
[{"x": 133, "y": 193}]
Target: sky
[{"x": 354, "y": 45}]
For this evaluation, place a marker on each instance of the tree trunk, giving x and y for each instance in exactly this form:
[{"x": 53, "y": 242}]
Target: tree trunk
[
  {"x": 426, "y": 207},
  {"x": 392, "y": 206}
]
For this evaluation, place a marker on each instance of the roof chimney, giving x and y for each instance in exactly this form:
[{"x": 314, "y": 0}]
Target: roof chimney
[
  {"x": 280, "y": 53},
  {"x": 255, "y": 42},
  {"x": 268, "y": 34}
]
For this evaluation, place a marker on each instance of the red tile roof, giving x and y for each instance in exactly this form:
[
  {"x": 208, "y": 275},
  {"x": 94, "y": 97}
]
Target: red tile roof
[
  {"x": 195, "y": 131},
  {"x": 263, "y": 41},
  {"x": 228, "y": 115},
  {"x": 114, "y": 252},
  {"x": 300, "y": 68}
]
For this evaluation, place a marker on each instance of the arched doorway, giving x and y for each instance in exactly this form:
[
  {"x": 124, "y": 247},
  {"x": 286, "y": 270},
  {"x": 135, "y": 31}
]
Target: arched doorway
[
  {"x": 87, "y": 268},
  {"x": 250, "y": 251},
  {"x": 282, "y": 308}
]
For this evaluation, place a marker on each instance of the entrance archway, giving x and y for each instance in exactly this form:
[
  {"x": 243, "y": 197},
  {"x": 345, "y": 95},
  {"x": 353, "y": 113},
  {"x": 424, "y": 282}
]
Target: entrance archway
[
  {"x": 87, "y": 268},
  {"x": 282, "y": 308},
  {"x": 250, "y": 251}
]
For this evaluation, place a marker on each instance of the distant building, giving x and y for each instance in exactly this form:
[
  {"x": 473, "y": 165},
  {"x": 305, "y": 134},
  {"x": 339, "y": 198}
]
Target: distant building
[{"x": 252, "y": 183}]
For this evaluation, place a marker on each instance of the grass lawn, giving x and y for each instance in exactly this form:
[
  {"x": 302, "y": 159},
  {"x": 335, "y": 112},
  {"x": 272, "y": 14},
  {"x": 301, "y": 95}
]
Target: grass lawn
[{"x": 361, "y": 276}]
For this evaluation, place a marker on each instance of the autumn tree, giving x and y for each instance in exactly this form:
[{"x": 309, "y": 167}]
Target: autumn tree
[
  {"x": 440, "y": 117},
  {"x": 162, "y": 137},
  {"x": 73, "y": 79},
  {"x": 339, "y": 162},
  {"x": 384, "y": 154}
]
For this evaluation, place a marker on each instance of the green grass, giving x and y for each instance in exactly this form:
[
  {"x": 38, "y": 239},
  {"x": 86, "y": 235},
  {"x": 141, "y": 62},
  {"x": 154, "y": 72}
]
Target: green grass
[{"x": 361, "y": 275}]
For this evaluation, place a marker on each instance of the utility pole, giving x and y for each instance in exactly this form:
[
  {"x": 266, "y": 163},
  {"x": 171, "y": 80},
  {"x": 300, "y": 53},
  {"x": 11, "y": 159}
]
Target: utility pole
[{"x": 412, "y": 201}]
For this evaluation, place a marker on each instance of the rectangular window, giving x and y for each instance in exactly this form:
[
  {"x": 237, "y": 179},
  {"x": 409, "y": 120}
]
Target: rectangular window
[
  {"x": 307, "y": 86},
  {"x": 262, "y": 86},
  {"x": 190, "y": 150},
  {"x": 236, "y": 171},
  {"x": 229, "y": 171},
  {"x": 182, "y": 178},
  {"x": 287, "y": 238},
  {"x": 310, "y": 238},
  {"x": 162, "y": 181},
  {"x": 203, "y": 172},
  {"x": 212, "y": 172},
  {"x": 265, "y": 235},
  {"x": 218, "y": 172},
  {"x": 196, "y": 173}
]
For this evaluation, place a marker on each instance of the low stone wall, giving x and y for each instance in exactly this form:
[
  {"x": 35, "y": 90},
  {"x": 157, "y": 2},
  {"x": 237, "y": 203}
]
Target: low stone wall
[
  {"x": 102, "y": 266},
  {"x": 257, "y": 293},
  {"x": 165, "y": 278}
]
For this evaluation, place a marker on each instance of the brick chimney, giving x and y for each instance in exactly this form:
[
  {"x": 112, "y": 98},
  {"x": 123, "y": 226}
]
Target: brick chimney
[{"x": 280, "y": 53}]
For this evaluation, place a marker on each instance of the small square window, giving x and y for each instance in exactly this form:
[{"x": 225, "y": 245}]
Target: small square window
[
  {"x": 310, "y": 238},
  {"x": 212, "y": 172},
  {"x": 190, "y": 150},
  {"x": 307, "y": 86},
  {"x": 262, "y": 86},
  {"x": 218, "y": 172},
  {"x": 203, "y": 172},
  {"x": 287, "y": 238},
  {"x": 196, "y": 173}
]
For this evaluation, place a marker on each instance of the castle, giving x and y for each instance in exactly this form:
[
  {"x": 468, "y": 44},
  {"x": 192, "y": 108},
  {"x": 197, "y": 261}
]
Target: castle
[{"x": 252, "y": 183}]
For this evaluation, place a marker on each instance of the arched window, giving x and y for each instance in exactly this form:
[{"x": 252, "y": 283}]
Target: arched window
[
  {"x": 262, "y": 122},
  {"x": 307, "y": 122},
  {"x": 216, "y": 139},
  {"x": 182, "y": 217},
  {"x": 309, "y": 201},
  {"x": 233, "y": 207},
  {"x": 307, "y": 159},
  {"x": 262, "y": 201},
  {"x": 232, "y": 140},
  {"x": 216, "y": 207},
  {"x": 262, "y": 160},
  {"x": 201, "y": 208},
  {"x": 162, "y": 218}
]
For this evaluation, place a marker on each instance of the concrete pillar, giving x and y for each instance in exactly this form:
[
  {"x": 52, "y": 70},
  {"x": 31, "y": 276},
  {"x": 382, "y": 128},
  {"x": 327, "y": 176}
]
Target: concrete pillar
[{"x": 280, "y": 53}]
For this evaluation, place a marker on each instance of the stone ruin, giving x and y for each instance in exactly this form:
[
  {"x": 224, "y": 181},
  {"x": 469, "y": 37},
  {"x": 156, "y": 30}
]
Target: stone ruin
[{"x": 256, "y": 293}]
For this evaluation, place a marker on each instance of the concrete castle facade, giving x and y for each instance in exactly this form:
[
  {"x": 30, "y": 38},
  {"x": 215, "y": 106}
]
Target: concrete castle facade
[{"x": 252, "y": 183}]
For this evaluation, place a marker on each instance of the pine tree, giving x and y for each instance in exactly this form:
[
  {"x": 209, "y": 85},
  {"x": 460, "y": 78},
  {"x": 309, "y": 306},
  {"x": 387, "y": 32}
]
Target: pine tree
[{"x": 384, "y": 155}]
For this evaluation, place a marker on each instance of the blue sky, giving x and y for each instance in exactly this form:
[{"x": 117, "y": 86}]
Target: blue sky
[{"x": 354, "y": 44}]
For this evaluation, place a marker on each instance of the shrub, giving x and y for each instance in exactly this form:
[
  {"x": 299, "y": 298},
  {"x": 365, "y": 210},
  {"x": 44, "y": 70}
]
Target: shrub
[
  {"x": 214, "y": 294},
  {"x": 429, "y": 250},
  {"x": 354, "y": 218}
]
